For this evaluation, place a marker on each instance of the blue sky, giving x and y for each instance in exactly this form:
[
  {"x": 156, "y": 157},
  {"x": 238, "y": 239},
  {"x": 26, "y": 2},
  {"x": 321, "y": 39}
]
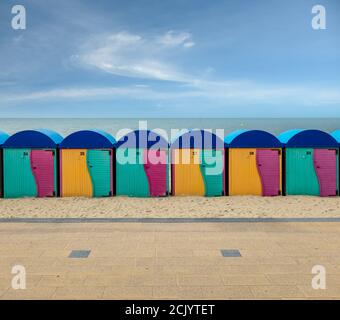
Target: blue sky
[{"x": 178, "y": 58}]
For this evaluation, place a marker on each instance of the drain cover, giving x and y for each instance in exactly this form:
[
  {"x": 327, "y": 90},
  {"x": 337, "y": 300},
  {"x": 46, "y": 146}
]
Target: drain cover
[
  {"x": 79, "y": 253},
  {"x": 230, "y": 253}
]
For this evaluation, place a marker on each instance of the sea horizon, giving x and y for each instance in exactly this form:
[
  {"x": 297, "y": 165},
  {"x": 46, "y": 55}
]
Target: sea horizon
[{"x": 66, "y": 126}]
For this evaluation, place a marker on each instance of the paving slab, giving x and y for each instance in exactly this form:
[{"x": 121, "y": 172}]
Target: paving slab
[{"x": 165, "y": 259}]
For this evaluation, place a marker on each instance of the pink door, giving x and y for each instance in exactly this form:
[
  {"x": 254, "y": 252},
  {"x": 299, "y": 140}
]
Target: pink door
[
  {"x": 268, "y": 166},
  {"x": 325, "y": 168},
  {"x": 42, "y": 164},
  {"x": 155, "y": 166}
]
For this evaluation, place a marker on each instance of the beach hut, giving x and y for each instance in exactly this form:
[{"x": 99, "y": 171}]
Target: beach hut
[
  {"x": 310, "y": 162},
  {"x": 87, "y": 164},
  {"x": 254, "y": 161},
  {"x": 197, "y": 164},
  {"x": 142, "y": 166},
  {"x": 336, "y": 136},
  {"x": 30, "y": 164},
  {"x": 3, "y": 138}
]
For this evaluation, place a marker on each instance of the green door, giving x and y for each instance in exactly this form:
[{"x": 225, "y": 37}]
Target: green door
[
  {"x": 130, "y": 173},
  {"x": 301, "y": 178},
  {"x": 99, "y": 166},
  {"x": 18, "y": 177},
  {"x": 212, "y": 172}
]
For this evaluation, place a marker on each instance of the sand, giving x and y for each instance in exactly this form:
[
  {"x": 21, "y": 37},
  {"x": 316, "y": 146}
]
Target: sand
[{"x": 236, "y": 207}]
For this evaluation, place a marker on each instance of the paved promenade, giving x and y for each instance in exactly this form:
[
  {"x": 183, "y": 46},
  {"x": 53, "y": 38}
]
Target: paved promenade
[{"x": 165, "y": 260}]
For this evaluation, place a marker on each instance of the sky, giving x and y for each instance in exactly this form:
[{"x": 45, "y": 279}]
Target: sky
[{"x": 178, "y": 58}]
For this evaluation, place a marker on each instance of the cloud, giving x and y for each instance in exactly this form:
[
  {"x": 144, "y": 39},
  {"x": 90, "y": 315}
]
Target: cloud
[
  {"x": 134, "y": 56},
  {"x": 73, "y": 93},
  {"x": 174, "y": 39},
  {"x": 141, "y": 57},
  {"x": 217, "y": 94}
]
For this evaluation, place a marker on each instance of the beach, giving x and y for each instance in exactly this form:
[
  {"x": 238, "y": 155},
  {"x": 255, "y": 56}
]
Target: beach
[{"x": 172, "y": 207}]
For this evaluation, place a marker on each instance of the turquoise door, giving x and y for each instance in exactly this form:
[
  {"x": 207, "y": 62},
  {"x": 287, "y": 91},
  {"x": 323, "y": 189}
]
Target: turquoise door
[
  {"x": 131, "y": 179},
  {"x": 99, "y": 166},
  {"x": 301, "y": 178},
  {"x": 18, "y": 177},
  {"x": 212, "y": 168}
]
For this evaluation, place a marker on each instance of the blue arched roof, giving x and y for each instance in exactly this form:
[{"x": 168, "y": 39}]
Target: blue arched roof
[
  {"x": 41, "y": 138},
  {"x": 336, "y": 135},
  {"x": 3, "y": 137},
  {"x": 198, "y": 139},
  {"x": 251, "y": 139},
  {"x": 178, "y": 134},
  {"x": 142, "y": 139},
  {"x": 298, "y": 138},
  {"x": 88, "y": 139}
]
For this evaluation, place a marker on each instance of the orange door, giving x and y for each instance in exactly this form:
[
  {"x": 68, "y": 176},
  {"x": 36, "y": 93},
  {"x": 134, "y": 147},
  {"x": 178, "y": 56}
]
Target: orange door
[
  {"x": 75, "y": 177},
  {"x": 188, "y": 178},
  {"x": 244, "y": 178}
]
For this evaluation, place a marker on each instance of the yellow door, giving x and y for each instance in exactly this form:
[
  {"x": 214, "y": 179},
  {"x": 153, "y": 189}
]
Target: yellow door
[
  {"x": 188, "y": 177},
  {"x": 243, "y": 175},
  {"x": 76, "y": 180}
]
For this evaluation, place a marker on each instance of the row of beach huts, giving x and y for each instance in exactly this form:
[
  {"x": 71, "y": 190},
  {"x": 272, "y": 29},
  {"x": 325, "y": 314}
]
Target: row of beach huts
[{"x": 91, "y": 163}]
